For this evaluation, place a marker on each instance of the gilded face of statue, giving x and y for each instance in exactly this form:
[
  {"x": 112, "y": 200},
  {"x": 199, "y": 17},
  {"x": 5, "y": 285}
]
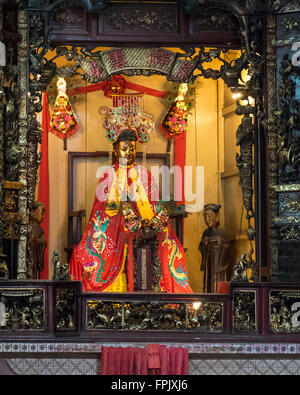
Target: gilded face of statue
[
  {"x": 125, "y": 152},
  {"x": 211, "y": 218}
]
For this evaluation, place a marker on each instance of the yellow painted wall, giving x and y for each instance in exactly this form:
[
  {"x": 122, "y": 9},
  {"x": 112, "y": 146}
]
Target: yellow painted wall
[
  {"x": 202, "y": 150},
  {"x": 235, "y": 215}
]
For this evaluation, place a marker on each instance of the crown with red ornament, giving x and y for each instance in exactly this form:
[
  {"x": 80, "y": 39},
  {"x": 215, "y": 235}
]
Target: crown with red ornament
[{"x": 127, "y": 115}]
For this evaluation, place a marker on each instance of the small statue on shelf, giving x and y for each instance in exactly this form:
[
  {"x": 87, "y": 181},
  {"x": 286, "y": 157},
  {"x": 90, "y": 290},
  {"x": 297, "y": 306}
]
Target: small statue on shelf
[
  {"x": 60, "y": 270},
  {"x": 214, "y": 247},
  {"x": 240, "y": 269},
  {"x": 37, "y": 243}
]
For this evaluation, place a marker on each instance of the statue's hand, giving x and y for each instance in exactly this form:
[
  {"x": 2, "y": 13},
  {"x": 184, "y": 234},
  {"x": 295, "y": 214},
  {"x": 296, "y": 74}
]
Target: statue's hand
[
  {"x": 160, "y": 221},
  {"x": 219, "y": 240}
]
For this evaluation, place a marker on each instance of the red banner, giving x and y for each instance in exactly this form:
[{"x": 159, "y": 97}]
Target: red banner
[{"x": 43, "y": 194}]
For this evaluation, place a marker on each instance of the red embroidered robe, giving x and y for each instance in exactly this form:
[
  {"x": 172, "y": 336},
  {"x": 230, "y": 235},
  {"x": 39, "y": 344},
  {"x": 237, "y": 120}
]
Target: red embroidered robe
[{"x": 99, "y": 260}]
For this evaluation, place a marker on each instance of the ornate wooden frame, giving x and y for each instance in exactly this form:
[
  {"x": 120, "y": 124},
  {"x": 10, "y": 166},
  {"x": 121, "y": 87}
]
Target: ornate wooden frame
[{"x": 255, "y": 25}]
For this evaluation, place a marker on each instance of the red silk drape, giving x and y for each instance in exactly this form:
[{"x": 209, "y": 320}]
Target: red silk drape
[
  {"x": 43, "y": 192},
  {"x": 154, "y": 360},
  {"x": 127, "y": 85},
  {"x": 180, "y": 161}
]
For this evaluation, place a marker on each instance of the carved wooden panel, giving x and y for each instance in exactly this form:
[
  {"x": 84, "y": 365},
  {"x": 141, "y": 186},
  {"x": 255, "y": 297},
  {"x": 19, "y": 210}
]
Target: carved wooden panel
[
  {"x": 207, "y": 317},
  {"x": 130, "y": 18},
  {"x": 155, "y": 24},
  {"x": 22, "y": 309},
  {"x": 74, "y": 22}
]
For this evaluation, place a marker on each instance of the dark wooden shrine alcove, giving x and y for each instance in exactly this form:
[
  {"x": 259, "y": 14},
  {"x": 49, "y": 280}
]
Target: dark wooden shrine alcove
[
  {"x": 162, "y": 24},
  {"x": 179, "y": 24}
]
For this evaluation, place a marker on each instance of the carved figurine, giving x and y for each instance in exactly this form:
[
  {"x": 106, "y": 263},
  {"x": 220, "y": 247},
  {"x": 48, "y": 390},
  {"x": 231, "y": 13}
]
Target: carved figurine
[
  {"x": 61, "y": 271},
  {"x": 37, "y": 243},
  {"x": 275, "y": 319},
  {"x": 240, "y": 269},
  {"x": 214, "y": 247},
  {"x": 37, "y": 317}
]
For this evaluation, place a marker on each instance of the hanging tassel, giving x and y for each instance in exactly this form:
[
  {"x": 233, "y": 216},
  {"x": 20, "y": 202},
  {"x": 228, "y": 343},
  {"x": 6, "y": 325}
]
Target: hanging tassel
[
  {"x": 175, "y": 122},
  {"x": 63, "y": 122}
]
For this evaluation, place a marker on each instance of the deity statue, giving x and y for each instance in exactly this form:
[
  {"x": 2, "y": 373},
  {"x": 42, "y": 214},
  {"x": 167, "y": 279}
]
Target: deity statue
[
  {"x": 126, "y": 205},
  {"x": 214, "y": 247},
  {"x": 37, "y": 242}
]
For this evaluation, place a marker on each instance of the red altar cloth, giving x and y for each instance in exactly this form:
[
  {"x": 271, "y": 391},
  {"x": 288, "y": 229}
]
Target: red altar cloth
[{"x": 154, "y": 360}]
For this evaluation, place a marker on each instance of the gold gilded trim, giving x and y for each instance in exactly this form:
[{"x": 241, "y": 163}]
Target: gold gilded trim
[{"x": 286, "y": 188}]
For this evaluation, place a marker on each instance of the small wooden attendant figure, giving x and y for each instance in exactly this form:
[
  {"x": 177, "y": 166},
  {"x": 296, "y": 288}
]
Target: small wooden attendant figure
[
  {"x": 37, "y": 243},
  {"x": 213, "y": 246}
]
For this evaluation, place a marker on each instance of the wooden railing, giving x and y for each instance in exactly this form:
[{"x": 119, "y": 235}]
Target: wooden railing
[{"x": 48, "y": 310}]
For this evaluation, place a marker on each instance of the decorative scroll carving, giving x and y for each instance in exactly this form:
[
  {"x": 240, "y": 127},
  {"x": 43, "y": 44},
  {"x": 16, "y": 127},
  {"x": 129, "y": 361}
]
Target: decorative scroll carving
[
  {"x": 179, "y": 67},
  {"x": 193, "y": 7},
  {"x": 22, "y": 142},
  {"x": 284, "y": 306},
  {"x": 271, "y": 135},
  {"x": 2, "y": 133},
  {"x": 290, "y": 23},
  {"x": 289, "y": 204},
  {"x": 105, "y": 315},
  {"x": 285, "y": 6},
  {"x": 54, "y": 5},
  {"x": 13, "y": 152},
  {"x": 151, "y": 18},
  {"x": 25, "y": 309},
  {"x": 289, "y": 233},
  {"x": 154, "y": 316},
  {"x": 244, "y": 311},
  {"x": 65, "y": 309},
  {"x": 12, "y": 218},
  {"x": 68, "y": 16},
  {"x": 207, "y": 317},
  {"x": 42, "y": 72},
  {"x": 245, "y": 140},
  {"x": 216, "y": 20},
  {"x": 284, "y": 123}
]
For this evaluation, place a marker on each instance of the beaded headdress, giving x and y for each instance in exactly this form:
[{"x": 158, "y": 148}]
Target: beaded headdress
[
  {"x": 127, "y": 114},
  {"x": 214, "y": 207}
]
